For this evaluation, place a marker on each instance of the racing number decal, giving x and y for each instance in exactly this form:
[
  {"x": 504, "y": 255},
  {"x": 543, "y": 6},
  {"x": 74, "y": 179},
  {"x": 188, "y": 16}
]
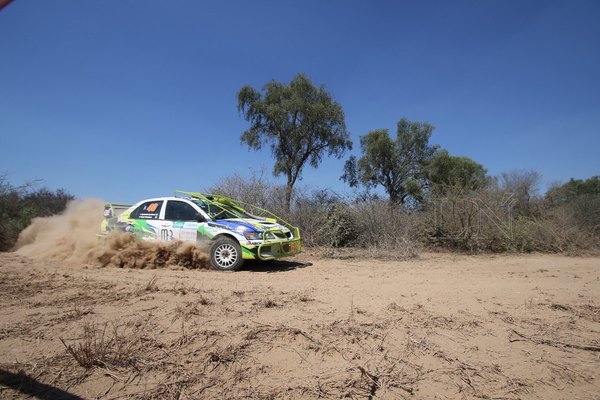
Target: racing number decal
[{"x": 166, "y": 235}]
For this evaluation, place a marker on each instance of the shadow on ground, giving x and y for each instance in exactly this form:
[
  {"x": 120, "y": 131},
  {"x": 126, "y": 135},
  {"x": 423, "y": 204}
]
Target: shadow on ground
[
  {"x": 273, "y": 266},
  {"x": 27, "y": 385}
]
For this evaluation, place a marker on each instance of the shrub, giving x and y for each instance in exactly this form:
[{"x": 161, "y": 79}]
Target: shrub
[
  {"x": 386, "y": 229},
  {"x": 20, "y": 204},
  {"x": 473, "y": 222},
  {"x": 338, "y": 228},
  {"x": 490, "y": 219}
]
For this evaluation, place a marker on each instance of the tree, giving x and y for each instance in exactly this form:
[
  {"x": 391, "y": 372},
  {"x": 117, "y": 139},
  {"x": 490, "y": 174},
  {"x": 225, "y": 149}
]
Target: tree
[
  {"x": 397, "y": 165},
  {"x": 582, "y": 198},
  {"x": 448, "y": 173},
  {"x": 524, "y": 185},
  {"x": 574, "y": 189},
  {"x": 299, "y": 121}
]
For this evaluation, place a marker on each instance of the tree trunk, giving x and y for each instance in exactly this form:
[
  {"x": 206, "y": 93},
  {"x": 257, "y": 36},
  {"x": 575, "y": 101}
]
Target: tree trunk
[{"x": 288, "y": 196}]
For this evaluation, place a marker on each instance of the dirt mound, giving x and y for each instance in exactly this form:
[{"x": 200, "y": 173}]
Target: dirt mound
[{"x": 72, "y": 237}]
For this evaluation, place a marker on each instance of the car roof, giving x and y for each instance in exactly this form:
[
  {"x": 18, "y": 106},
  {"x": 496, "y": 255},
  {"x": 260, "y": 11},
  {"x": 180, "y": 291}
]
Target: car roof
[{"x": 162, "y": 199}]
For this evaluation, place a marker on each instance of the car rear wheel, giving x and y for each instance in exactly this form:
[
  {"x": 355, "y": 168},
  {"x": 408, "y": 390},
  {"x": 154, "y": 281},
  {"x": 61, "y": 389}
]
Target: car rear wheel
[{"x": 226, "y": 255}]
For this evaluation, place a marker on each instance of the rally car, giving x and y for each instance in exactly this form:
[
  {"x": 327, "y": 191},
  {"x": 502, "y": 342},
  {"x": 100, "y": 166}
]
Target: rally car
[{"x": 237, "y": 231}]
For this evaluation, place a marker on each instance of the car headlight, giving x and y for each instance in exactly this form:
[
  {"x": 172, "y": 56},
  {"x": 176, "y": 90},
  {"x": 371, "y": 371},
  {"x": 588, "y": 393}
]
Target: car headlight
[{"x": 251, "y": 235}]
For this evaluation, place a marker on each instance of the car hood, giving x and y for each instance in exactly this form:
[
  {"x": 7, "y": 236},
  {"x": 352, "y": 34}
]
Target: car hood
[{"x": 245, "y": 224}]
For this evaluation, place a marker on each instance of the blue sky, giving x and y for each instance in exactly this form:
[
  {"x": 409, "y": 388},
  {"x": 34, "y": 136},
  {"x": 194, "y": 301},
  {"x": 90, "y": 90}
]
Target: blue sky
[{"x": 123, "y": 99}]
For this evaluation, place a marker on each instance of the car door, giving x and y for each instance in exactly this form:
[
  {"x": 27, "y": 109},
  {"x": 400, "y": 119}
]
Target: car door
[
  {"x": 184, "y": 220},
  {"x": 145, "y": 220}
]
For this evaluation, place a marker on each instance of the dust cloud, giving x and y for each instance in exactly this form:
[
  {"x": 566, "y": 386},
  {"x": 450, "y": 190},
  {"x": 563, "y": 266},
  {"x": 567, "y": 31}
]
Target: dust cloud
[
  {"x": 72, "y": 237},
  {"x": 124, "y": 250},
  {"x": 68, "y": 236}
]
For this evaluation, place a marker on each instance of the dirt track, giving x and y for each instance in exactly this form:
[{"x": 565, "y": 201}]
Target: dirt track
[{"x": 440, "y": 327}]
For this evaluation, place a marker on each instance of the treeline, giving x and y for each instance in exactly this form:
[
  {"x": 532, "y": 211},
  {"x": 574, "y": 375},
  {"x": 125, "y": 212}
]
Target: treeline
[
  {"x": 20, "y": 204},
  {"x": 501, "y": 214},
  {"x": 429, "y": 197},
  {"x": 498, "y": 214}
]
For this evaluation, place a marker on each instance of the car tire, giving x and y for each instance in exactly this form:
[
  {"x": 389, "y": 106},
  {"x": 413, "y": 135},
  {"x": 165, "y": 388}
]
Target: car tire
[{"x": 226, "y": 254}]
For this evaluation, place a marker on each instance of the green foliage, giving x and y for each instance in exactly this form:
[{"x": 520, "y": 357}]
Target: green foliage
[
  {"x": 574, "y": 189},
  {"x": 300, "y": 122},
  {"x": 399, "y": 165},
  {"x": 19, "y": 205},
  {"x": 582, "y": 199},
  {"x": 447, "y": 173}
]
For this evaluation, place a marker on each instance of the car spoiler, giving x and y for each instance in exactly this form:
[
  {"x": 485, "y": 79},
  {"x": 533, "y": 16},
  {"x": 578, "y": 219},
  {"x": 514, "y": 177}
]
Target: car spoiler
[
  {"x": 111, "y": 213},
  {"x": 113, "y": 210}
]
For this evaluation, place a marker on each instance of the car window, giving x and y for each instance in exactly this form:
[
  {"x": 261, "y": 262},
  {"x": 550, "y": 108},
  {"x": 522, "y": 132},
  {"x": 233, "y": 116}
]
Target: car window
[
  {"x": 180, "y": 211},
  {"x": 220, "y": 211},
  {"x": 148, "y": 210}
]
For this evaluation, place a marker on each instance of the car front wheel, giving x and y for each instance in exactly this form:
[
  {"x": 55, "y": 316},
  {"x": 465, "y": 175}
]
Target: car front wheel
[{"x": 226, "y": 255}]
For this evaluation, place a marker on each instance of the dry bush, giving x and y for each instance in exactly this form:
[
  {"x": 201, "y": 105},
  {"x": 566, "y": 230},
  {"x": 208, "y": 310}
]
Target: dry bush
[
  {"x": 110, "y": 346},
  {"x": 309, "y": 212},
  {"x": 267, "y": 303},
  {"x": 387, "y": 230},
  {"x": 487, "y": 221},
  {"x": 557, "y": 231},
  {"x": 480, "y": 221},
  {"x": 327, "y": 221},
  {"x": 524, "y": 185},
  {"x": 585, "y": 211},
  {"x": 256, "y": 190},
  {"x": 383, "y": 230},
  {"x": 505, "y": 216}
]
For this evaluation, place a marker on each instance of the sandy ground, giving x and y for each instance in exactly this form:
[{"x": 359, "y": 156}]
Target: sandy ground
[{"x": 442, "y": 326}]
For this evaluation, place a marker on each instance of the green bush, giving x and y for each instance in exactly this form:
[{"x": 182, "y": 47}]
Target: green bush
[{"x": 19, "y": 205}]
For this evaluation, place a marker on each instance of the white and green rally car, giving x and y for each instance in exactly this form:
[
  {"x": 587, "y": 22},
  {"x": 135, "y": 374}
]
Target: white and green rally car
[{"x": 237, "y": 231}]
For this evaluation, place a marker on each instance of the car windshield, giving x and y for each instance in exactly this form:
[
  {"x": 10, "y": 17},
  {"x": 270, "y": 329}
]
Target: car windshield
[{"x": 221, "y": 211}]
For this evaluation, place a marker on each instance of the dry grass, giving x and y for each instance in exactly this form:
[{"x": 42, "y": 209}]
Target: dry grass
[
  {"x": 111, "y": 345},
  {"x": 151, "y": 285}
]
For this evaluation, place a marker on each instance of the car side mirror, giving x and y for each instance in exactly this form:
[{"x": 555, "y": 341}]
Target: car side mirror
[{"x": 200, "y": 218}]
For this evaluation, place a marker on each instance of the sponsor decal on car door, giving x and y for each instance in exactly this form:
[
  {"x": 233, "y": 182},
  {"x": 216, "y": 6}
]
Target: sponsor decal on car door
[{"x": 188, "y": 231}]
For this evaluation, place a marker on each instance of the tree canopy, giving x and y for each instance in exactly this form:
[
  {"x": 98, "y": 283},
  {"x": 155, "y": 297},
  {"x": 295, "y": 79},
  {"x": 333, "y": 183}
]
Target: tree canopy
[
  {"x": 448, "y": 173},
  {"x": 300, "y": 122},
  {"x": 573, "y": 189},
  {"x": 581, "y": 197},
  {"x": 396, "y": 165}
]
